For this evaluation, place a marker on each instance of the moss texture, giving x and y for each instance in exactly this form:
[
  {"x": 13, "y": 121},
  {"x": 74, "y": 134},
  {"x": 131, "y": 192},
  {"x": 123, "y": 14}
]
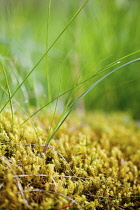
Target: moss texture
[{"x": 92, "y": 163}]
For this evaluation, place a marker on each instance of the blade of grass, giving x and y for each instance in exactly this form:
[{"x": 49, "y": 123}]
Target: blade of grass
[
  {"x": 76, "y": 101},
  {"x": 111, "y": 65},
  {"x": 1, "y": 99},
  {"x": 17, "y": 76},
  {"x": 126, "y": 56},
  {"x": 97, "y": 82},
  {"x": 58, "y": 37},
  {"x": 46, "y": 146},
  {"x": 74, "y": 89},
  {"x": 47, "y": 63}
]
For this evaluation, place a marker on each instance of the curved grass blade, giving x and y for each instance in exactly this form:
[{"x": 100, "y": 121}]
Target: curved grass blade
[
  {"x": 76, "y": 101},
  {"x": 97, "y": 82},
  {"x": 126, "y": 56},
  {"x": 111, "y": 65}
]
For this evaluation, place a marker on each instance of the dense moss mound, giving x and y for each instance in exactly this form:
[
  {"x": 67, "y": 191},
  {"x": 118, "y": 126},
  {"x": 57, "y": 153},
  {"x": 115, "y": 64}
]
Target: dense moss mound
[{"x": 92, "y": 163}]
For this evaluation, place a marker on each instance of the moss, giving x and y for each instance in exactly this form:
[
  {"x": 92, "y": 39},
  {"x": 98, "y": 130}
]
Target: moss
[{"x": 92, "y": 163}]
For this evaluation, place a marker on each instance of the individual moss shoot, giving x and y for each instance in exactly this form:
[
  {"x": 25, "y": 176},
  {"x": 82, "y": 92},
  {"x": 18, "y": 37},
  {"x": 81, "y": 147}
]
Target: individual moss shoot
[{"x": 69, "y": 105}]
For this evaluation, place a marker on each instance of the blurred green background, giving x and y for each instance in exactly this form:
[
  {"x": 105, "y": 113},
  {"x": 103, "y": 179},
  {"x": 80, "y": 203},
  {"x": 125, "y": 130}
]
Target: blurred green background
[{"x": 103, "y": 32}]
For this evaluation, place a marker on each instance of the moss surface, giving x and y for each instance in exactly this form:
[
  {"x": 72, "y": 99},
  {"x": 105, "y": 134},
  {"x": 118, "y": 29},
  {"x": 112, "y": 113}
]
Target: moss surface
[{"x": 92, "y": 163}]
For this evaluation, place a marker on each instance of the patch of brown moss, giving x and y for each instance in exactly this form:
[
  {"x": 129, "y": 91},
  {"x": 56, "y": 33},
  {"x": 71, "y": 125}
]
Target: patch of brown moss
[{"x": 92, "y": 163}]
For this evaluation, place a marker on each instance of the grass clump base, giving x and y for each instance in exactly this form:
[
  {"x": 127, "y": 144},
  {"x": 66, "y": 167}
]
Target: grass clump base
[{"x": 92, "y": 163}]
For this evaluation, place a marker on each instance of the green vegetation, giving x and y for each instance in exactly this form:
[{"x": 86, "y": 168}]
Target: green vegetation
[
  {"x": 102, "y": 33},
  {"x": 57, "y": 56}
]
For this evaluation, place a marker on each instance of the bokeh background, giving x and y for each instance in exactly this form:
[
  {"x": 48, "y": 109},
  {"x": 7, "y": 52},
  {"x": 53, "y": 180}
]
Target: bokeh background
[{"x": 104, "y": 32}]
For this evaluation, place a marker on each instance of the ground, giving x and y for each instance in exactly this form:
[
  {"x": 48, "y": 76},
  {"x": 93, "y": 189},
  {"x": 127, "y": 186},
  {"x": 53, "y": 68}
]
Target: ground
[{"x": 91, "y": 163}]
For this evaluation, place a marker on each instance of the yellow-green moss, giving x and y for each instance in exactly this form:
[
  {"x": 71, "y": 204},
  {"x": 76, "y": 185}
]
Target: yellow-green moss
[{"x": 91, "y": 162}]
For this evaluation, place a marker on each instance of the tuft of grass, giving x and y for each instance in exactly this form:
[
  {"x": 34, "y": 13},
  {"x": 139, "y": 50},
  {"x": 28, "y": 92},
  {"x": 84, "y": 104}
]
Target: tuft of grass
[
  {"x": 71, "y": 105},
  {"x": 58, "y": 37},
  {"x": 100, "y": 31},
  {"x": 26, "y": 114}
]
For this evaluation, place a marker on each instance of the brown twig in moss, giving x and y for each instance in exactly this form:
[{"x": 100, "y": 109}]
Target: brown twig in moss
[
  {"x": 45, "y": 148},
  {"x": 64, "y": 207}
]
